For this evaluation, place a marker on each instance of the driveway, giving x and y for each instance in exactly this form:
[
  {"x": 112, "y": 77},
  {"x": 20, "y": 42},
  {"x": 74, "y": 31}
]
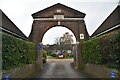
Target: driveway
[{"x": 60, "y": 70}]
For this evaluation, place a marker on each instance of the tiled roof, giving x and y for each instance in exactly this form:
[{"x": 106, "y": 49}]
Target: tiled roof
[
  {"x": 9, "y": 27},
  {"x": 112, "y": 20}
]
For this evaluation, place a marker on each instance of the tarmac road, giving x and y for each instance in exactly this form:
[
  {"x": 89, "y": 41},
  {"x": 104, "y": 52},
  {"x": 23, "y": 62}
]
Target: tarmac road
[{"x": 60, "y": 70}]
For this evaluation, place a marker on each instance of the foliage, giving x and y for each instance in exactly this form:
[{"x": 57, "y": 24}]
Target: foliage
[
  {"x": 115, "y": 51},
  {"x": 103, "y": 50},
  {"x": 66, "y": 38},
  {"x": 53, "y": 55},
  {"x": 44, "y": 56},
  {"x": 16, "y": 52},
  {"x": 71, "y": 55},
  {"x": 49, "y": 53},
  {"x": 91, "y": 51},
  {"x": 64, "y": 42}
]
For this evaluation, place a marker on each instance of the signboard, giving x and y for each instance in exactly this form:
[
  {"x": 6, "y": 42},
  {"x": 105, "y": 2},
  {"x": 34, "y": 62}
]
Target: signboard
[
  {"x": 112, "y": 75},
  {"x": 81, "y": 36},
  {"x": 7, "y": 77},
  {"x": 39, "y": 47}
]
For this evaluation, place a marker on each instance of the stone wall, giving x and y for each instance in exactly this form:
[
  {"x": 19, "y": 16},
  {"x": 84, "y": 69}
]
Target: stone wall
[
  {"x": 20, "y": 72},
  {"x": 100, "y": 71}
]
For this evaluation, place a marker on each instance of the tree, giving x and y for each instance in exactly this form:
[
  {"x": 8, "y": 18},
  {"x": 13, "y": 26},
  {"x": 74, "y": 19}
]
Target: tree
[
  {"x": 67, "y": 38},
  {"x": 57, "y": 40},
  {"x": 64, "y": 42}
]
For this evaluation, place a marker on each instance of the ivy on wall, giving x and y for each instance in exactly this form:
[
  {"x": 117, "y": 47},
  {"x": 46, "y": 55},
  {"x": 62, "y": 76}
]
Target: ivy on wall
[
  {"x": 103, "y": 50},
  {"x": 16, "y": 52}
]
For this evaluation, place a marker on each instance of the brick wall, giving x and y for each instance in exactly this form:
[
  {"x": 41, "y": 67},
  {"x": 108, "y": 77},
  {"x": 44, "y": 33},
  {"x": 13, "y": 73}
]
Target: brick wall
[
  {"x": 100, "y": 71},
  {"x": 20, "y": 72}
]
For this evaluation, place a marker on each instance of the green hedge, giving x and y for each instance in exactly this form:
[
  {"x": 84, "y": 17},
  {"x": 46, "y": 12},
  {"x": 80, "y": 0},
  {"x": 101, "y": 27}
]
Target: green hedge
[
  {"x": 44, "y": 56},
  {"x": 91, "y": 51},
  {"x": 103, "y": 50},
  {"x": 16, "y": 52}
]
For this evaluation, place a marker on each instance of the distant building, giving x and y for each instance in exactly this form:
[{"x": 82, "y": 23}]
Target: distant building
[
  {"x": 58, "y": 48},
  {"x": 7, "y": 26},
  {"x": 111, "y": 23}
]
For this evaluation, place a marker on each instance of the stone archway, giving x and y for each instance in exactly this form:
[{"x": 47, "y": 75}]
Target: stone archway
[{"x": 60, "y": 15}]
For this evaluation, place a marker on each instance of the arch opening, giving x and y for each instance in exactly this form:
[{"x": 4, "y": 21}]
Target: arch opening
[
  {"x": 49, "y": 38},
  {"x": 56, "y": 32}
]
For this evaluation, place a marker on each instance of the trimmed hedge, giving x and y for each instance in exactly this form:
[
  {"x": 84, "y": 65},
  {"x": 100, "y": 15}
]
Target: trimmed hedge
[
  {"x": 91, "y": 51},
  {"x": 103, "y": 50},
  {"x": 16, "y": 52}
]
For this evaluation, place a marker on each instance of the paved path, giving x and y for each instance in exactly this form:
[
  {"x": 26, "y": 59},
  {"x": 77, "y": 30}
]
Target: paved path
[
  {"x": 60, "y": 70},
  {"x": 59, "y": 60}
]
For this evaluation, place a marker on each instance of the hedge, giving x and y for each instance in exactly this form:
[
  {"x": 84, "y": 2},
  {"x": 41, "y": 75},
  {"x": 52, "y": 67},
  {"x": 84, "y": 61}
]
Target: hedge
[
  {"x": 44, "y": 56},
  {"x": 16, "y": 52},
  {"x": 103, "y": 50},
  {"x": 91, "y": 51}
]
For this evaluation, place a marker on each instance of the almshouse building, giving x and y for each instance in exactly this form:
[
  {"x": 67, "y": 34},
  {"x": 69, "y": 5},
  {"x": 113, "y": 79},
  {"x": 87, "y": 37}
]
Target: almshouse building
[
  {"x": 112, "y": 22},
  {"x": 7, "y": 26}
]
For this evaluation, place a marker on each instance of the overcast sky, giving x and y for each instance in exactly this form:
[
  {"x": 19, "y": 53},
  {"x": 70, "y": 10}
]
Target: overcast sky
[{"x": 19, "y": 11}]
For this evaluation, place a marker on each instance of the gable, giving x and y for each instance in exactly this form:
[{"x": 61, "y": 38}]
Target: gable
[{"x": 58, "y": 9}]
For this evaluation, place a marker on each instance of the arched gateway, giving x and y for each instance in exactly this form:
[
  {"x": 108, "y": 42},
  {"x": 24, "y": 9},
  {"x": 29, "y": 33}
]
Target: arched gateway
[{"x": 60, "y": 15}]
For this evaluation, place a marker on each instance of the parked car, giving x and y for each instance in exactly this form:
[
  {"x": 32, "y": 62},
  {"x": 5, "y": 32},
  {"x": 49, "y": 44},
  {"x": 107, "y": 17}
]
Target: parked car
[{"x": 60, "y": 55}]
